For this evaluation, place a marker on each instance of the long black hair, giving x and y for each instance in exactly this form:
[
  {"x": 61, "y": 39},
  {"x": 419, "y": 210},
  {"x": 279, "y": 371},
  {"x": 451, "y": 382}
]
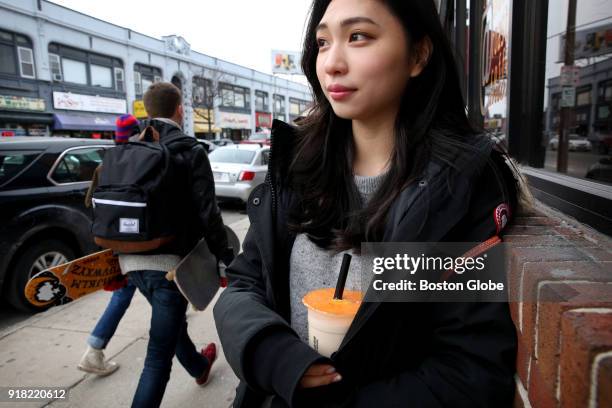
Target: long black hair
[{"x": 431, "y": 124}]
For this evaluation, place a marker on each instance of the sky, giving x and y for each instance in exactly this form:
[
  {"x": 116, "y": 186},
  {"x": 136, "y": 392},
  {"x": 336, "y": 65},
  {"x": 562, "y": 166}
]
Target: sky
[
  {"x": 239, "y": 31},
  {"x": 246, "y": 31}
]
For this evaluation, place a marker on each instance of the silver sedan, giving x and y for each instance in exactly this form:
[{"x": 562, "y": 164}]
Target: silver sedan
[{"x": 238, "y": 169}]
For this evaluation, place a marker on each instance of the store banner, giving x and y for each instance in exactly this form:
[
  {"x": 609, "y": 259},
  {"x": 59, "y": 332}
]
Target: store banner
[
  {"x": 22, "y": 103},
  {"x": 286, "y": 62},
  {"x": 263, "y": 119},
  {"x": 88, "y": 103},
  {"x": 139, "y": 109},
  {"x": 589, "y": 43},
  {"x": 228, "y": 120}
]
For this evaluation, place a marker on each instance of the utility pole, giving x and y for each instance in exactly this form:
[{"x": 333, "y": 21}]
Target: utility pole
[{"x": 567, "y": 105}]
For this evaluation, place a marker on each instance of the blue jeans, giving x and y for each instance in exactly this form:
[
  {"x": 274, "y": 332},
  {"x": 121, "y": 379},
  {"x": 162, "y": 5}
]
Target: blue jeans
[
  {"x": 167, "y": 336},
  {"x": 106, "y": 326}
]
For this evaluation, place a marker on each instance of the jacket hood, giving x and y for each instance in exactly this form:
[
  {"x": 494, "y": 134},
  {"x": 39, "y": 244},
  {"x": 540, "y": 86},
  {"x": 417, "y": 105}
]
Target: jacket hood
[{"x": 168, "y": 133}]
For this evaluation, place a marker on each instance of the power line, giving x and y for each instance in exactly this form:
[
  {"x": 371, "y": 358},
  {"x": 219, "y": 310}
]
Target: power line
[{"x": 581, "y": 25}]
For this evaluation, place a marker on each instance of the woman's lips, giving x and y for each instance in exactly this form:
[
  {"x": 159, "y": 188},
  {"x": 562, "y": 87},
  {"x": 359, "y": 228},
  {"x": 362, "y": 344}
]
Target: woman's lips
[{"x": 339, "y": 92}]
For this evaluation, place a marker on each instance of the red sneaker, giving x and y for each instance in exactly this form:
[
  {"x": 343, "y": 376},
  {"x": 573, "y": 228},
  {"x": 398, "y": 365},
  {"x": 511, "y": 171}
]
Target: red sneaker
[{"x": 210, "y": 353}]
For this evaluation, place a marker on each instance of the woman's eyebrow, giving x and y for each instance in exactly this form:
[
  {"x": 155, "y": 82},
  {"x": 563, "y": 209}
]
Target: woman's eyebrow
[{"x": 349, "y": 22}]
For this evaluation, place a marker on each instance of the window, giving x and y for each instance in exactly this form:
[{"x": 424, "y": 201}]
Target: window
[
  {"x": 16, "y": 56},
  {"x": 101, "y": 76},
  {"x": 74, "y": 71},
  {"x": 119, "y": 80},
  {"x": 14, "y": 162},
  {"x": 583, "y": 96},
  {"x": 235, "y": 97},
  {"x": 294, "y": 107},
  {"x": 279, "y": 104},
  {"x": 265, "y": 158},
  {"x": 146, "y": 83},
  {"x": 605, "y": 91},
  {"x": 7, "y": 59},
  {"x": 202, "y": 92},
  {"x": 298, "y": 106},
  {"x": 227, "y": 97},
  {"x": 26, "y": 62},
  {"x": 231, "y": 155},
  {"x": 137, "y": 83},
  {"x": 261, "y": 101},
  {"x": 592, "y": 87},
  {"x": 56, "y": 67},
  {"x": 85, "y": 68},
  {"x": 77, "y": 165},
  {"x": 144, "y": 77}
]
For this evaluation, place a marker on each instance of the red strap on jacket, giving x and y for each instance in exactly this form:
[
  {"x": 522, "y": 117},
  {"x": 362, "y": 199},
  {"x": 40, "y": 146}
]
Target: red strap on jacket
[{"x": 477, "y": 250}]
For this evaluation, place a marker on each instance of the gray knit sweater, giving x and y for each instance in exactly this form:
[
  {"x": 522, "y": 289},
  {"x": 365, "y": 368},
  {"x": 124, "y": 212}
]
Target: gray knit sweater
[{"x": 313, "y": 268}]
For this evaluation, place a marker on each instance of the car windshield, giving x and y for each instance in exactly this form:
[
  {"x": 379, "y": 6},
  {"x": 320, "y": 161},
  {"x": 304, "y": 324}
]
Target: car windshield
[
  {"x": 231, "y": 156},
  {"x": 13, "y": 162}
]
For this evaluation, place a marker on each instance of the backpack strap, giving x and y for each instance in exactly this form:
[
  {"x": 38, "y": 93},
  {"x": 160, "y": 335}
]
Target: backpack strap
[{"x": 149, "y": 134}]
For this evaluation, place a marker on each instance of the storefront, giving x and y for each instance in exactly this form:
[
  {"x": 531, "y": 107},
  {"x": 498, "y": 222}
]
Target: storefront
[
  {"x": 23, "y": 116},
  {"x": 263, "y": 120},
  {"x": 235, "y": 126},
  {"x": 204, "y": 123},
  {"x": 84, "y": 125},
  {"x": 78, "y": 115},
  {"x": 547, "y": 99}
]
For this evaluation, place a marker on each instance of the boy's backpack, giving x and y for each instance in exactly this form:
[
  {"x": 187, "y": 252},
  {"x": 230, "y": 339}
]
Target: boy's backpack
[{"x": 137, "y": 202}]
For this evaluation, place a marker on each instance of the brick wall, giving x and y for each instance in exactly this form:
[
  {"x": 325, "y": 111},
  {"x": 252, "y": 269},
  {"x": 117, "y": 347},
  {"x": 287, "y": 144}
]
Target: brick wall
[{"x": 563, "y": 272}]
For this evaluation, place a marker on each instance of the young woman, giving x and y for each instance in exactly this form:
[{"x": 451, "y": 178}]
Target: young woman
[{"x": 385, "y": 155}]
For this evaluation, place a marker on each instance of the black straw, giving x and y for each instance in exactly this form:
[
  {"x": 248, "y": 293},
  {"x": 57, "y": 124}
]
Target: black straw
[{"x": 346, "y": 262}]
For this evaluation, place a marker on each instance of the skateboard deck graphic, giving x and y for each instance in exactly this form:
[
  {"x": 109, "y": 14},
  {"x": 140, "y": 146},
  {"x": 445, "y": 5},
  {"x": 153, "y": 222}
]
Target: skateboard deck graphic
[
  {"x": 67, "y": 282},
  {"x": 197, "y": 275}
]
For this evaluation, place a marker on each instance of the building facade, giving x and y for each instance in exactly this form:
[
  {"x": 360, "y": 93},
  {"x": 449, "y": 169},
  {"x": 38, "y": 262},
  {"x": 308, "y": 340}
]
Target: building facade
[{"x": 66, "y": 73}]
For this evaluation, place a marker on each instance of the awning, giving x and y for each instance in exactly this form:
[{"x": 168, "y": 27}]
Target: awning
[
  {"x": 26, "y": 117},
  {"x": 99, "y": 122},
  {"x": 204, "y": 128}
]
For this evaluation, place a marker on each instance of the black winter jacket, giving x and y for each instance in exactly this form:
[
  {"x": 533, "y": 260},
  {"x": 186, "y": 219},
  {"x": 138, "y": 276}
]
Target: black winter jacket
[
  {"x": 394, "y": 354},
  {"x": 201, "y": 214}
]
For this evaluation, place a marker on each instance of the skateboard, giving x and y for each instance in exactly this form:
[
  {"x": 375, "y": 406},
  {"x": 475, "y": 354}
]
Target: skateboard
[
  {"x": 197, "y": 275},
  {"x": 67, "y": 282}
]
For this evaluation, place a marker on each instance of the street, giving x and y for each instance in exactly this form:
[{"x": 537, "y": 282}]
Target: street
[{"x": 42, "y": 350}]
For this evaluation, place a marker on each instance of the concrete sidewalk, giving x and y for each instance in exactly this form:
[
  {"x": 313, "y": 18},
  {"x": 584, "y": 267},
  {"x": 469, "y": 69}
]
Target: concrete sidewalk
[{"x": 43, "y": 351}]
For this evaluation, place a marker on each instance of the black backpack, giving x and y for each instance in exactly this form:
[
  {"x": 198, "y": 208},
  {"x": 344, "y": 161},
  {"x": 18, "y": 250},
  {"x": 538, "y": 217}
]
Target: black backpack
[{"x": 137, "y": 202}]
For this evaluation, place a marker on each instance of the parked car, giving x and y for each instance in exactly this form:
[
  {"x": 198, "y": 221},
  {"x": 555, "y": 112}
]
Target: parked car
[
  {"x": 222, "y": 142},
  {"x": 238, "y": 169},
  {"x": 576, "y": 143},
  {"x": 43, "y": 219},
  {"x": 601, "y": 171},
  {"x": 258, "y": 138},
  {"x": 601, "y": 141},
  {"x": 208, "y": 145}
]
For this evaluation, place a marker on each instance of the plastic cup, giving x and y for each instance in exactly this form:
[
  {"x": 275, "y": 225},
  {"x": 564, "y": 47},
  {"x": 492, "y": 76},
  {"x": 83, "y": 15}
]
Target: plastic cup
[{"x": 329, "y": 319}]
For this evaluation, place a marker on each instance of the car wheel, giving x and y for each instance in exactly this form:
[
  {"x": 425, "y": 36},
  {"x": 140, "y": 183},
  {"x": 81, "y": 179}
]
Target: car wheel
[{"x": 36, "y": 258}]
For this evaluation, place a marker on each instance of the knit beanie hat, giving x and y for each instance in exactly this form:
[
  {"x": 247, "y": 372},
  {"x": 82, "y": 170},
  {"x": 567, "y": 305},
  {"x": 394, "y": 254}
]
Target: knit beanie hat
[{"x": 126, "y": 127}]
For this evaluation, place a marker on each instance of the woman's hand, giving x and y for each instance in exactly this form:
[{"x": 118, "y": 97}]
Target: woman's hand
[{"x": 318, "y": 375}]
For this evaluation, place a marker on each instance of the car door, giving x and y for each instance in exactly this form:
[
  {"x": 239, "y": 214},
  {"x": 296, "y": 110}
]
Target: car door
[{"x": 71, "y": 174}]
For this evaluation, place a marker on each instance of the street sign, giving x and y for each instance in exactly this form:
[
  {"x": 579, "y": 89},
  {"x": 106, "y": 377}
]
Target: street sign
[
  {"x": 570, "y": 75},
  {"x": 568, "y": 97}
]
